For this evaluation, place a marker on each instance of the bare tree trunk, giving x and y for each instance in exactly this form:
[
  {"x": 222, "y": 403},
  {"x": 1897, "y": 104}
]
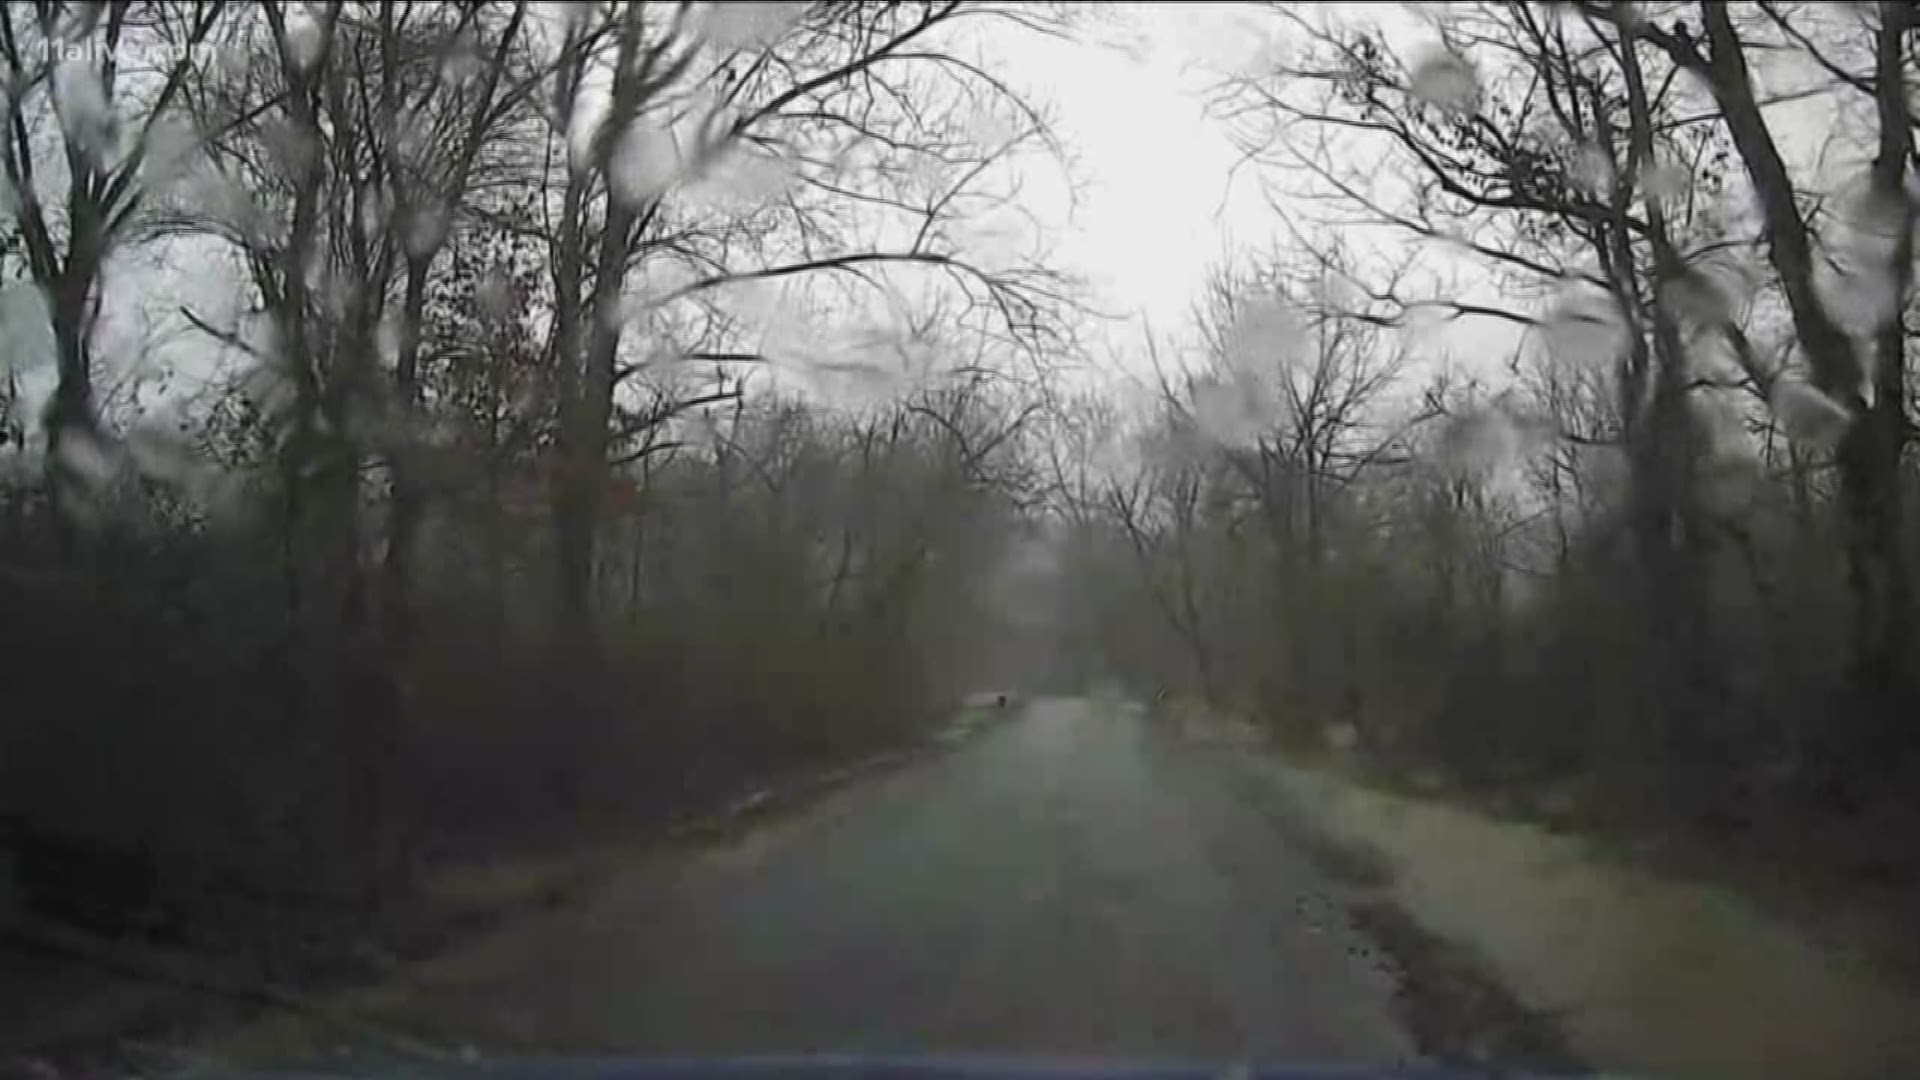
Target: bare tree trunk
[
  {"x": 322, "y": 468},
  {"x": 1870, "y": 454},
  {"x": 70, "y": 294},
  {"x": 69, "y": 415},
  {"x": 100, "y": 199},
  {"x": 1665, "y": 455},
  {"x": 569, "y": 275},
  {"x": 585, "y": 435},
  {"x": 405, "y": 508},
  {"x": 1868, "y": 458},
  {"x": 406, "y": 493}
]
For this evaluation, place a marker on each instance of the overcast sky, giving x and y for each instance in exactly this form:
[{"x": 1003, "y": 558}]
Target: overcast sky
[
  {"x": 1130, "y": 102},
  {"x": 1156, "y": 208},
  {"x": 1158, "y": 205},
  {"x": 1162, "y": 201}
]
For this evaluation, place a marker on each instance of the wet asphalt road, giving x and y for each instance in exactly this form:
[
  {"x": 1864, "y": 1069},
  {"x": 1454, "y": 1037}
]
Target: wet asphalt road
[{"x": 1073, "y": 882}]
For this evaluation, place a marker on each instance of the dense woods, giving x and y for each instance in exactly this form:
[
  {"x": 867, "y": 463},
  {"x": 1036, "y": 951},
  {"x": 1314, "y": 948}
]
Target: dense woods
[
  {"x": 1646, "y": 559},
  {"x": 436, "y": 430},
  {"x": 425, "y": 466}
]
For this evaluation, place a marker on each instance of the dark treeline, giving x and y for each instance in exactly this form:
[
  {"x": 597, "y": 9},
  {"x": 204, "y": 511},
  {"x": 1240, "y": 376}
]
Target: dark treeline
[
  {"x": 407, "y": 450},
  {"x": 1650, "y": 563}
]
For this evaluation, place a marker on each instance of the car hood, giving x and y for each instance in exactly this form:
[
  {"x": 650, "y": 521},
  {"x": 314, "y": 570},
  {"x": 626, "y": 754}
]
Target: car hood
[{"x": 859, "y": 1067}]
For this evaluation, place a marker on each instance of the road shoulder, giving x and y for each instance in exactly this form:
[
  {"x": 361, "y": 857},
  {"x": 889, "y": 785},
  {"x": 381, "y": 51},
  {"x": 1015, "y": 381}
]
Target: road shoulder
[
  {"x": 1633, "y": 971},
  {"x": 1454, "y": 1007}
]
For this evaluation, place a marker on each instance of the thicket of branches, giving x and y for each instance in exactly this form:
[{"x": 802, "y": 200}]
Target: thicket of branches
[
  {"x": 1656, "y": 564},
  {"x": 423, "y": 469}
]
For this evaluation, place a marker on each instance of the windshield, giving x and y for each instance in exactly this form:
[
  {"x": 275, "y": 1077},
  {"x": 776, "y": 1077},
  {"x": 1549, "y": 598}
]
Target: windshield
[{"x": 953, "y": 531}]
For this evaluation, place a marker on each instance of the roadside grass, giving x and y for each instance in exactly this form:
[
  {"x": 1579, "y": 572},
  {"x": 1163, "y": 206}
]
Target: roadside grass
[
  {"x": 1635, "y": 968},
  {"x": 1811, "y": 875},
  {"x": 1839, "y": 882},
  {"x": 521, "y": 883},
  {"x": 1538, "y": 931},
  {"x": 1353, "y": 864},
  {"x": 970, "y": 720},
  {"x": 1447, "y": 996}
]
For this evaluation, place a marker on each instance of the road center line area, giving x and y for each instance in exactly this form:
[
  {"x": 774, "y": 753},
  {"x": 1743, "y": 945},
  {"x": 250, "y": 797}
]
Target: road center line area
[{"x": 1073, "y": 882}]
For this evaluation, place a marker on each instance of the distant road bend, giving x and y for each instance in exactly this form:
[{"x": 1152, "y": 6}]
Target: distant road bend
[{"x": 1070, "y": 883}]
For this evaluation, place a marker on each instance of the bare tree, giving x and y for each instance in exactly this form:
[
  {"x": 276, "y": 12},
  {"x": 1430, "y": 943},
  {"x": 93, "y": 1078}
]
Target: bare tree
[
  {"x": 475, "y": 101},
  {"x": 112, "y": 107},
  {"x": 1544, "y": 148},
  {"x": 827, "y": 83},
  {"x": 1873, "y": 393},
  {"x": 1162, "y": 514}
]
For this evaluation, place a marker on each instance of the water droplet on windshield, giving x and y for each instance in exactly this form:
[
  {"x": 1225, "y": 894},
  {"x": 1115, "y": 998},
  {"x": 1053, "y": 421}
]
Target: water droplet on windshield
[{"x": 1445, "y": 80}]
